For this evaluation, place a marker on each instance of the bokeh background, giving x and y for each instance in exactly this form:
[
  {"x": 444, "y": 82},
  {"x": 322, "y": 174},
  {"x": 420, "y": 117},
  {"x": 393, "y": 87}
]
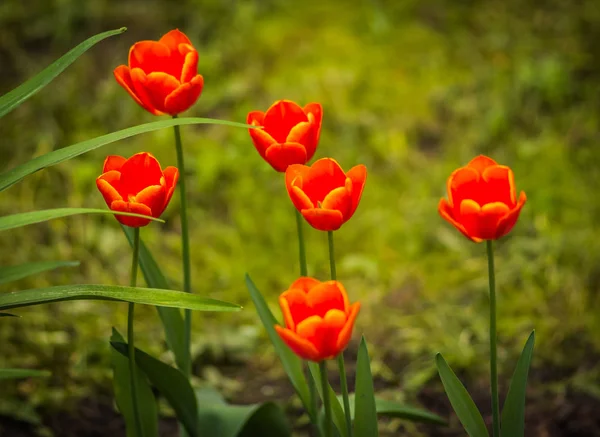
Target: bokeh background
[{"x": 412, "y": 89}]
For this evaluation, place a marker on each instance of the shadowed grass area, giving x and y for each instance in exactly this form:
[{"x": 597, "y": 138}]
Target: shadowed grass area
[{"x": 411, "y": 89}]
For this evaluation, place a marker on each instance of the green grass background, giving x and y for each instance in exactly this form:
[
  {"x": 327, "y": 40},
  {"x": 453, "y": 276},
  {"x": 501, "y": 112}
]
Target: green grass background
[{"x": 412, "y": 89}]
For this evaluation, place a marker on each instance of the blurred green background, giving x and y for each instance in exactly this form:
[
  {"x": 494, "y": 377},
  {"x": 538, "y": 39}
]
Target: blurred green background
[{"x": 412, "y": 89}]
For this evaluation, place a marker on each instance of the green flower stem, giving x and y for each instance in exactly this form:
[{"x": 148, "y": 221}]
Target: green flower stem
[
  {"x": 312, "y": 386},
  {"x": 185, "y": 248},
  {"x": 340, "y": 358},
  {"x": 326, "y": 400},
  {"x": 493, "y": 345},
  {"x": 301, "y": 247},
  {"x": 130, "y": 337}
]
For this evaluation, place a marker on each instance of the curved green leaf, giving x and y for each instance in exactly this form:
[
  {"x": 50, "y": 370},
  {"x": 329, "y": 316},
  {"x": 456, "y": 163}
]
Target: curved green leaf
[
  {"x": 28, "y": 218},
  {"x": 14, "y": 98},
  {"x": 513, "y": 411},
  {"x": 122, "y": 386},
  {"x": 170, "y": 317},
  {"x": 291, "y": 363},
  {"x": 14, "y": 175},
  {"x": 146, "y": 296},
  {"x": 22, "y": 373},
  {"x": 338, "y": 416},
  {"x": 219, "y": 419},
  {"x": 463, "y": 405},
  {"x": 171, "y": 383},
  {"x": 13, "y": 273},
  {"x": 389, "y": 408},
  {"x": 365, "y": 422},
  {"x": 8, "y": 315}
]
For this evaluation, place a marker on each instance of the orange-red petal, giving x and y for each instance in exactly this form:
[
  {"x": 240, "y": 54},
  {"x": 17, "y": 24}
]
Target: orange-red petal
[
  {"x": 171, "y": 175},
  {"x": 507, "y": 222},
  {"x": 113, "y": 162},
  {"x": 150, "y": 56},
  {"x": 281, "y": 117},
  {"x": 447, "y": 212},
  {"x": 305, "y": 283},
  {"x": 301, "y": 347},
  {"x": 139, "y": 172},
  {"x": 106, "y": 184},
  {"x": 323, "y": 219},
  {"x": 153, "y": 197},
  {"x": 321, "y": 178},
  {"x": 123, "y": 76},
  {"x": 346, "y": 332},
  {"x": 324, "y": 297},
  {"x": 184, "y": 96},
  {"x": 137, "y": 208},
  {"x": 139, "y": 79},
  {"x": 173, "y": 38},
  {"x": 190, "y": 67},
  {"x": 482, "y": 222},
  {"x": 480, "y": 163},
  {"x": 500, "y": 185},
  {"x": 281, "y": 156},
  {"x": 340, "y": 200},
  {"x": 358, "y": 176},
  {"x": 159, "y": 85}
]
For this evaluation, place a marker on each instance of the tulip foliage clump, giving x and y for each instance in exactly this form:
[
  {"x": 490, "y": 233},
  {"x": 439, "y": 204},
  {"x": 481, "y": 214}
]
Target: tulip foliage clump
[{"x": 317, "y": 314}]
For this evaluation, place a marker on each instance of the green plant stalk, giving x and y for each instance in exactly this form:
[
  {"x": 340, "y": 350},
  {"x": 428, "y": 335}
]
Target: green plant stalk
[
  {"x": 185, "y": 248},
  {"x": 303, "y": 272},
  {"x": 130, "y": 337},
  {"x": 493, "y": 343},
  {"x": 326, "y": 400},
  {"x": 340, "y": 358}
]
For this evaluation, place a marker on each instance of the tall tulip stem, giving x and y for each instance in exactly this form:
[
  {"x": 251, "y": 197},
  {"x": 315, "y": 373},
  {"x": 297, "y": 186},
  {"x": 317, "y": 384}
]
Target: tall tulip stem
[
  {"x": 493, "y": 345},
  {"x": 340, "y": 358},
  {"x": 185, "y": 248},
  {"x": 326, "y": 400},
  {"x": 312, "y": 386},
  {"x": 130, "y": 336}
]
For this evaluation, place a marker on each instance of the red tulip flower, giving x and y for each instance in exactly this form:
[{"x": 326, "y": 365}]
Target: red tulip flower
[
  {"x": 289, "y": 134},
  {"x": 137, "y": 185},
  {"x": 162, "y": 76},
  {"x": 318, "y": 318},
  {"x": 482, "y": 200},
  {"x": 325, "y": 195}
]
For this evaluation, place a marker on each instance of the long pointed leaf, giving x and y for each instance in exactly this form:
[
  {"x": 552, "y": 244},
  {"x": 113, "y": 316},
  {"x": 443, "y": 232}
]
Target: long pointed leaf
[
  {"x": 463, "y": 405},
  {"x": 29, "y": 218},
  {"x": 170, "y": 317},
  {"x": 14, "y": 175},
  {"x": 14, "y": 98},
  {"x": 122, "y": 386},
  {"x": 513, "y": 412},
  {"x": 22, "y": 373},
  {"x": 171, "y": 383},
  {"x": 8, "y": 315},
  {"x": 147, "y": 296},
  {"x": 389, "y": 408},
  {"x": 13, "y": 273},
  {"x": 365, "y": 422},
  {"x": 291, "y": 363}
]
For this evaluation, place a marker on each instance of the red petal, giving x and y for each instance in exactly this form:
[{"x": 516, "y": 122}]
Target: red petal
[
  {"x": 137, "y": 208},
  {"x": 358, "y": 176},
  {"x": 305, "y": 283},
  {"x": 281, "y": 156},
  {"x": 480, "y": 163},
  {"x": 154, "y": 198},
  {"x": 171, "y": 175},
  {"x": 324, "y": 297},
  {"x": 314, "y": 111},
  {"x": 190, "y": 67},
  {"x": 294, "y": 307},
  {"x": 447, "y": 214},
  {"x": 184, "y": 96},
  {"x": 138, "y": 172},
  {"x": 150, "y": 56},
  {"x": 299, "y": 199},
  {"x": 323, "y": 219},
  {"x": 482, "y": 222},
  {"x": 108, "y": 186},
  {"x": 139, "y": 79},
  {"x": 159, "y": 86},
  {"x": 123, "y": 76},
  {"x": 499, "y": 182},
  {"x": 301, "y": 347},
  {"x": 173, "y": 38},
  {"x": 340, "y": 200},
  {"x": 507, "y": 222},
  {"x": 281, "y": 117},
  {"x": 346, "y": 332},
  {"x": 323, "y": 176},
  {"x": 113, "y": 162}
]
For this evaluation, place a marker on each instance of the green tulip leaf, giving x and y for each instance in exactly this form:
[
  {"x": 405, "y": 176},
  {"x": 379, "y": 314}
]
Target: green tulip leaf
[
  {"x": 513, "y": 412},
  {"x": 8, "y": 315},
  {"x": 365, "y": 422},
  {"x": 463, "y": 405},
  {"x": 14, "y": 98},
  {"x": 122, "y": 386},
  {"x": 171, "y": 383},
  {"x": 291, "y": 363},
  {"x": 14, "y": 175},
  {"x": 14, "y": 273},
  {"x": 170, "y": 317},
  {"x": 22, "y": 373},
  {"x": 146, "y": 296},
  {"x": 29, "y": 218},
  {"x": 220, "y": 419}
]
